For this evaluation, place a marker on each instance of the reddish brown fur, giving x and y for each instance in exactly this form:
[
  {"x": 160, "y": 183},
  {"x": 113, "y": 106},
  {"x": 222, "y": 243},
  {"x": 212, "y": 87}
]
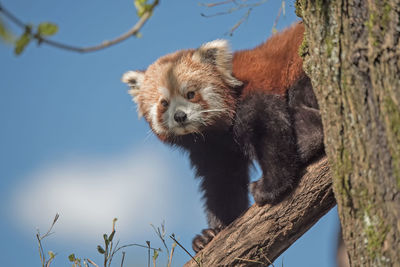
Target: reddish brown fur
[{"x": 272, "y": 66}]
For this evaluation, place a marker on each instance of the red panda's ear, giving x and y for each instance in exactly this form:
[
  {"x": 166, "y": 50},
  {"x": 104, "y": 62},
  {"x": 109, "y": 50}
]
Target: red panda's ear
[
  {"x": 134, "y": 79},
  {"x": 218, "y": 53}
]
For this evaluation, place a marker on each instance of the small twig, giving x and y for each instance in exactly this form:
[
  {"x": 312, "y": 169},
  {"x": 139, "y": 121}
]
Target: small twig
[
  {"x": 187, "y": 252},
  {"x": 268, "y": 260},
  {"x": 91, "y": 262},
  {"x": 40, "y": 238},
  {"x": 170, "y": 256},
  {"x": 235, "y": 8},
  {"x": 148, "y": 254},
  {"x": 123, "y": 258},
  {"x": 253, "y": 261},
  {"x": 133, "y": 31},
  {"x": 11, "y": 17},
  {"x": 49, "y": 262},
  {"x": 113, "y": 252},
  {"x": 136, "y": 245},
  {"x": 154, "y": 260},
  {"x": 41, "y": 253},
  {"x": 161, "y": 235},
  {"x": 51, "y": 227},
  {"x": 217, "y": 4},
  {"x": 244, "y": 18},
  {"x": 277, "y": 17}
]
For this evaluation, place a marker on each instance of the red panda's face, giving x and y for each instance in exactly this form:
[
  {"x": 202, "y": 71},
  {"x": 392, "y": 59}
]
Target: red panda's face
[{"x": 186, "y": 91}]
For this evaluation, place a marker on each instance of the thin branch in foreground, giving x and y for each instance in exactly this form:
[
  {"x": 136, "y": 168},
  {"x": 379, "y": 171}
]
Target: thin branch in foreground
[
  {"x": 182, "y": 247},
  {"x": 107, "y": 43}
]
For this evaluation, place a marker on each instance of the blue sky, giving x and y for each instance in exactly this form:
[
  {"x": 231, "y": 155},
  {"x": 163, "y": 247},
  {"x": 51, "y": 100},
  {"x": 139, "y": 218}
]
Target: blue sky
[{"x": 71, "y": 141}]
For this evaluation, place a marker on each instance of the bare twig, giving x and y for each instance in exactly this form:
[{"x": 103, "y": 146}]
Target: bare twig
[
  {"x": 49, "y": 262},
  {"x": 281, "y": 9},
  {"x": 40, "y": 238},
  {"x": 148, "y": 253},
  {"x": 182, "y": 247},
  {"x": 217, "y": 4},
  {"x": 244, "y": 4},
  {"x": 91, "y": 262},
  {"x": 232, "y": 9},
  {"x": 243, "y": 19},
  {"x": 135, "y": 245},
  {"x": 161, "y": 235},
  {"x": 41, "y": 253},
  {"x": 123, "y": 258},
  {"x": 107, "y": 43}
]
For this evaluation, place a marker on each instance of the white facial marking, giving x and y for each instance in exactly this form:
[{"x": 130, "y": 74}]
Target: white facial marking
[
  {"x": 154, "y": 122},
  {"x": 183, "y": 89},
  {"x": 192, "y": 110},
  {"x": 213, "y": 99},
  {"x": 164, "y": 92}
]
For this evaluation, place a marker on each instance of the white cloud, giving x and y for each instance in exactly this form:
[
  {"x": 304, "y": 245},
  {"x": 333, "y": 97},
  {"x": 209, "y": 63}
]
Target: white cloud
[{"x": 138, "y": 188}]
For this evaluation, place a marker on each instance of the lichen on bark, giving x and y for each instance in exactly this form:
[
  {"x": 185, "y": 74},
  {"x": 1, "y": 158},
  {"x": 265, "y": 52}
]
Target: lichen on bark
[{"x": 353, "y": 59}]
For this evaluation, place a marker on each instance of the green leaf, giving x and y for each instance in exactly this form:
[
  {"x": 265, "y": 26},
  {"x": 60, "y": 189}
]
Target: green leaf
[
  {"x": 110, "y": 238},
  {"x": 47, "y": 29},
  {"x": 22, "y": 42},
  {"x": 100, "y": 249},
  {"x": 72, "y": 257},
  {"x": 106, "y": 241},
  {"x": 142, "y": 7},
  {"x": 5, "y": 34},
  {"x": 155, "y": 254},
  {"x": 51, "y": 254}
]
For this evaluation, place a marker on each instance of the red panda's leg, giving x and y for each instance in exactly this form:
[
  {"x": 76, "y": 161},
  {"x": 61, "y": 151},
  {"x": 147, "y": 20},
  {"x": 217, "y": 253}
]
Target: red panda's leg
[
  {"x": 309, "y": 133},
  {"x": 264, "y": 128},
  {"x": 224, "y": 173},
  {"x": 307, "y": 119}
]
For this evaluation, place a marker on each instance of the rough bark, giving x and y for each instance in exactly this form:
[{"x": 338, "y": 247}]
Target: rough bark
[
  {"x": 260, "y": 235},
  {"x": 352, "y": 54}
]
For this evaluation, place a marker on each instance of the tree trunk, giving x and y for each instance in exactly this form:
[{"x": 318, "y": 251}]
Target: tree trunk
[{"x": 352, "y": 54}]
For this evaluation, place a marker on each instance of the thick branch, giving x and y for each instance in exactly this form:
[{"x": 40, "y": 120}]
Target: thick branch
[{"x": 263, "y": 233}]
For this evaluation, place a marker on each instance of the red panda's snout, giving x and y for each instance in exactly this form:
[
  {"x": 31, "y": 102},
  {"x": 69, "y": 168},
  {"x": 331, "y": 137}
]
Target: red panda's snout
[{"x": 190, "y": 112}]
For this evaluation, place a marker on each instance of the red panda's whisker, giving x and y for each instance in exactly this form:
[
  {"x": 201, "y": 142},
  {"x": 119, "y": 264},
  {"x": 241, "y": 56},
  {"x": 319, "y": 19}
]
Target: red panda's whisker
[{"x": 212, "y": 110}]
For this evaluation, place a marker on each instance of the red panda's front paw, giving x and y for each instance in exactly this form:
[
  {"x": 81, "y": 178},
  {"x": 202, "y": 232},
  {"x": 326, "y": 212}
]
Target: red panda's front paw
[
  {"x": 200, "y": 241},
  {"x": 266, "y": 194}
]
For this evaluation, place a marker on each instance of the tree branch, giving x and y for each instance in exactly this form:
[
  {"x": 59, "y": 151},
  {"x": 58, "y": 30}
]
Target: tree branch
[
  {"x": 260, "y": 235},
  {"x": 107, "y": 43}
]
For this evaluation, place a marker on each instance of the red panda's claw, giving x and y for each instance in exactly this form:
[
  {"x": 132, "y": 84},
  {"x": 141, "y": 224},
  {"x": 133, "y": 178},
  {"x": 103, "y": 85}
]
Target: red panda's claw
[{"x": 200, "y": 241}]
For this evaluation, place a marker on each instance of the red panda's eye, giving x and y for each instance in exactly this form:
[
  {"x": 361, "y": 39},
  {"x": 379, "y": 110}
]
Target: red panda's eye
[
  {"x": 190, "y": 95},
  {"x": 164, "y": 103}
]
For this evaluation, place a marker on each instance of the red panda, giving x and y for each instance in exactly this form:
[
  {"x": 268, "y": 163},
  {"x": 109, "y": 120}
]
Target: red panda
[{"x": 227, "y": 110}]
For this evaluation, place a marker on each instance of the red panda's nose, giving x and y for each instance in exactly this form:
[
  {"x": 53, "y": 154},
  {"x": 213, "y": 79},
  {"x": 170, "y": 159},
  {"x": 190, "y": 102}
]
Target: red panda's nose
[{"x": 180, "y": 116}]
